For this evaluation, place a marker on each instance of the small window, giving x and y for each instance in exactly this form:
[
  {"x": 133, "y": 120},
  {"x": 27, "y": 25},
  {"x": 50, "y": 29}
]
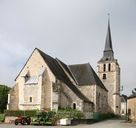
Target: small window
[
  {"x": 30, "y": 99},
  {"x": 104, "y": 67},
  {"x": 104, "y": 76},
  {"x": 74, "y": 105},
  {"x": 109, "y": 67}
]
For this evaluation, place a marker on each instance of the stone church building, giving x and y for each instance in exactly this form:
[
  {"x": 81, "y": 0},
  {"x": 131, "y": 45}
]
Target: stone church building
[{"x": 48, "y": 83}]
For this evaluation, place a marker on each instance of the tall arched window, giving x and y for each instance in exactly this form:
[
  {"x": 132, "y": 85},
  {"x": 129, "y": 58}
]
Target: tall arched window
[
  {"x": 104, "y": 67},
  {"x": 109, "y": 67},
  {"x": 74, "y": 105}
]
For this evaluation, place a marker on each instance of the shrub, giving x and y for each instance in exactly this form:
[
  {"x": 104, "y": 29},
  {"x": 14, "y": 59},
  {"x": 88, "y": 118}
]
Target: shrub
[
  {"x": 69, "y": 113},
  {"x": 2, "y": 117},
  {"x": 103, "y": 116},
  {"x": 20, "y": 112},
  {"x": 3, "y": 97}
]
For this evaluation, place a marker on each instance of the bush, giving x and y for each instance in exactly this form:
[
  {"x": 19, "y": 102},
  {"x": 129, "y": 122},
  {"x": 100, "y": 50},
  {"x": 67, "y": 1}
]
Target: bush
[
  {"x": 20, "y": 112},
  {"x": 3, "y": 97},
  {"x": 2, "y": 117},
  {"x": 103, "y": 116},
  {"x": 69, "y": 113},
  {"x": 66, "y": 113}
]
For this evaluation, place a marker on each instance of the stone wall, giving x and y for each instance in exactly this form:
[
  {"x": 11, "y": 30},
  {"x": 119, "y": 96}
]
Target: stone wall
[
  {"x": 112, "y": 83},
  {"x": 92, "y": 92},
  {"x": 13, "y": 98},
  {"x": 41, "y": 91},
  {"x": 46, "y": 96},
  {"x": 89, "y": 91},
  {"x": 101, "y": 100},
  {"x": 67, "y": 97},
  {"x": 132, "y": 108}
]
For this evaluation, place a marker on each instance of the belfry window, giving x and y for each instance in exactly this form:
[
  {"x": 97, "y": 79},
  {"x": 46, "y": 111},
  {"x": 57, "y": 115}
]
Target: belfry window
[
  {"x": 109, "y": 67},
  {"x": 104, "y": 76},
  {"x": 104, "y": 67}
]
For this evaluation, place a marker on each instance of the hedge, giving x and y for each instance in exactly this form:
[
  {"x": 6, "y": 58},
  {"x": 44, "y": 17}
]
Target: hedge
[
  {"x": 101, "y": 116},
  {"x": 20, "y": 112}
]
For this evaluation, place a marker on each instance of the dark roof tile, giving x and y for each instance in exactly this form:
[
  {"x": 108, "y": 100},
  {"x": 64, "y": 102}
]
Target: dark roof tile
[
  {"x": 85, "y": 75},
  {"x": 55, "y": 66}
]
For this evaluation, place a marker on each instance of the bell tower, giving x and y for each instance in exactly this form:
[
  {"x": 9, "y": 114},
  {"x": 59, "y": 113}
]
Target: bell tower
[{"x": 109, "y": 72}]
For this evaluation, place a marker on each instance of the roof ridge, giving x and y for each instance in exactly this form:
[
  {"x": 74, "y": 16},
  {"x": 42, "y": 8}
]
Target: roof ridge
[{"x": 59, "y": 62}]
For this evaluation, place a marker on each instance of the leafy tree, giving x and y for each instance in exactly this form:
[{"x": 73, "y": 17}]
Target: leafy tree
[{"x": 3, "y": 97}]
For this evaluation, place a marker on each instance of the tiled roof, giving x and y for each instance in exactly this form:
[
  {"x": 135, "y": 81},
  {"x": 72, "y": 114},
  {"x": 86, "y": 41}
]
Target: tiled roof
[
  {"x": 85, "y": 75},
  {"x": 55, "y": 67}
]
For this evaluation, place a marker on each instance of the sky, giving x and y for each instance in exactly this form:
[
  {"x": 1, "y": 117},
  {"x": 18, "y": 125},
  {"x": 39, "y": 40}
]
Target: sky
[{"x": 72, "y": 30}]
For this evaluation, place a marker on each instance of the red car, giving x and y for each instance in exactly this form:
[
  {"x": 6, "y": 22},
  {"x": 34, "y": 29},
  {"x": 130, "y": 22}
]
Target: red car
[{"x": 23, "y": 120}]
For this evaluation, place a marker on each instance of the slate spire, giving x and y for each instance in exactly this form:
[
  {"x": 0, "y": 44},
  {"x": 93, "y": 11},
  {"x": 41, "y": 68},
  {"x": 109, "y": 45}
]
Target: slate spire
[{"x": 108, "y": 51}]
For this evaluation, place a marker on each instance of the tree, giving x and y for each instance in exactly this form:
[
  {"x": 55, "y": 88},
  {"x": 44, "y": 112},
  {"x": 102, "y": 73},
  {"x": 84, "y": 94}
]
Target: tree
[{"x": 3, "y": 97}]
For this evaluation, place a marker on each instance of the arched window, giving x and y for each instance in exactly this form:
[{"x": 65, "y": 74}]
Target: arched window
[
  {"x": 104, "y": 76},
  {"x": 30, "y": 99},
  {"x": 74, "y": 105},
  {"x": 109, "y": 67},
  {"x": 104, "y": 67}
]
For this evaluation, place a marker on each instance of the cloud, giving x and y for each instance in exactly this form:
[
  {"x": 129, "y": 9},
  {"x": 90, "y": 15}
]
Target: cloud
[{"x": 72, "y": 30}]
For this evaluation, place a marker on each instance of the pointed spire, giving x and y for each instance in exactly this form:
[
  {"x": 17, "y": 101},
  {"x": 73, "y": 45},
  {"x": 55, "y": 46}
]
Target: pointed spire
[{"x": 108, "y": 51}]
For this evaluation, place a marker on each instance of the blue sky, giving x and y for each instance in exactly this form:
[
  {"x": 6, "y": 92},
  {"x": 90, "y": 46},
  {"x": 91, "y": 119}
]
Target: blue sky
[{"x": 71, "y": 30}]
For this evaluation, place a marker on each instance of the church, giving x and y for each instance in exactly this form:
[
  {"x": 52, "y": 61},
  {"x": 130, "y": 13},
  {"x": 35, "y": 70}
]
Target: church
[{"x": 47, "y": 83}]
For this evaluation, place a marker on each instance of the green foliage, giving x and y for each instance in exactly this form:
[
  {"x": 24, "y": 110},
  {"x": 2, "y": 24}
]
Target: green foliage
[
  {"x": 51, "y": 114},
  {"x": 43, "y": 118},
  {"x": 66, "y": 113},
  {"x": 69, "y": 113},
  {"x": 20, "y": 112},
  {"x": 2, "y": 117},
  {"x": 3, "y": 97},
  {"x": 103, "y": 116}
]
